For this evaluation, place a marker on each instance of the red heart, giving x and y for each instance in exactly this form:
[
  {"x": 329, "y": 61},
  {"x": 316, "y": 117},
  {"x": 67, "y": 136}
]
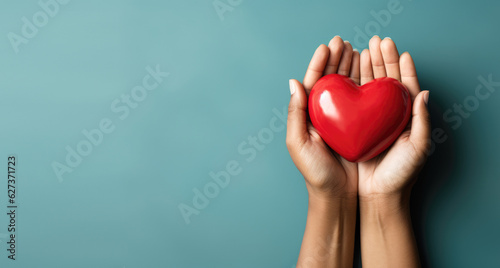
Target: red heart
[{"x": 359, "y": 122}]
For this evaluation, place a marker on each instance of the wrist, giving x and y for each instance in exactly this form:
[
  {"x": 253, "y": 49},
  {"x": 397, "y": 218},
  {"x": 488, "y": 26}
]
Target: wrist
[
  {"x": 327, "y": 194},
  {"x": 400, "y": 192},
  {"x": 384, "y": 206},
  {"x": 326, "y": 198},
  {"x": 327, "y": 205}
]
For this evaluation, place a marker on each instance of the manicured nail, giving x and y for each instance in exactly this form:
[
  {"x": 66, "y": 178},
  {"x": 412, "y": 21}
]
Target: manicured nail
[
  {"x": 355, "y": 49},
  {"x": 388, "y": 38},
  {"x": 426, "y": 98},
  {"x": 292, "y": 87}
]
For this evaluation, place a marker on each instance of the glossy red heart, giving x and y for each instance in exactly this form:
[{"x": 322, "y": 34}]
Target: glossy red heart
[{"x": 359, "y": 122}]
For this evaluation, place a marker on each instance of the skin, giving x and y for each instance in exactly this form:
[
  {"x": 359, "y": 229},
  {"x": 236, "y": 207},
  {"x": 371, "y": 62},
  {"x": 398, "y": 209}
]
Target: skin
[{"x": 382, "y": 184}]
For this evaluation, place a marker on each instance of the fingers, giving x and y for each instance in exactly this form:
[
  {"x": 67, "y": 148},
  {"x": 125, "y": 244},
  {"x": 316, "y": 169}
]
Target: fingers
[
  {"x": 420, "y": 123},
  {"x": 316, "y": 67},
  {"x": 345, "y": 61},
  {"x": 355, "y": 67},
  {"x": 409, "y": 74},
  {"x": 376, "y": 57},
  {"x": 366, "y": 71},
  {"x": 336, "y": 47},
  {"x": 390, "y": 57},
  {"x": 296, "y": 133}
]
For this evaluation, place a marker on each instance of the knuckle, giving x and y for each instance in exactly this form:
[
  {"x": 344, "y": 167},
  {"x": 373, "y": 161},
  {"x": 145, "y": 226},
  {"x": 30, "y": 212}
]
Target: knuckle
[
  {"x": 426, "y": 119},
  {"x": 294, "y": 144},
  {"x": 293, "y": 109}
]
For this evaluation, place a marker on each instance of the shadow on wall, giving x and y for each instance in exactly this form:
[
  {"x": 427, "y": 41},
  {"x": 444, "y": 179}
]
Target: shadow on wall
[{"x": 436, "y": 173}]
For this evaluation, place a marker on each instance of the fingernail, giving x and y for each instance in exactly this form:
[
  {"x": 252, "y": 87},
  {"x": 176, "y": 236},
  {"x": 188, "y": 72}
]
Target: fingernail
[
  {"x": 355, "y": 49},
  {"x": 388, "y": 38},
  {"x": 292, "y": 86},
  {"x": 426, "y": 98}
]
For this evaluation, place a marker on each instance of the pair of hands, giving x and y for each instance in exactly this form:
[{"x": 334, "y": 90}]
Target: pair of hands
[{"x": 327, "y": 174}]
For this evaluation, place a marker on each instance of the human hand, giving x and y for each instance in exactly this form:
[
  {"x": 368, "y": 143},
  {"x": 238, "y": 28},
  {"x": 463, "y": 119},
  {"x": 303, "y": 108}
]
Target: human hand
[
  {"x": 332, "y": 181},
  {"x": 393, "y": 172},
  {"x": 327, "y": 174}
]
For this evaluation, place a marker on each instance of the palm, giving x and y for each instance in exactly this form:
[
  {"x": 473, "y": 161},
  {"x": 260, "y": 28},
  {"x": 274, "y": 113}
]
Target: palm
[
  {"x": 329, "y": 168},
  {"x": 374, "y": 177}
]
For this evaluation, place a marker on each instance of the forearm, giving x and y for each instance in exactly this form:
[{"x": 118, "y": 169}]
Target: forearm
[
  {"x": 329, "y": 236},
  {"x": 387, "y": 238}
]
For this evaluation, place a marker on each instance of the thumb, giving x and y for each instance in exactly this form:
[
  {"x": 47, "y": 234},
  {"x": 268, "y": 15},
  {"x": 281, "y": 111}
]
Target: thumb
[
  {"x": 296, "y": 132},
  {"x": 421, "y": 125}
]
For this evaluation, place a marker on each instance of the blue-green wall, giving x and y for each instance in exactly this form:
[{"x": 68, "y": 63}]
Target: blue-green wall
[{"x": 228, "y": 80}]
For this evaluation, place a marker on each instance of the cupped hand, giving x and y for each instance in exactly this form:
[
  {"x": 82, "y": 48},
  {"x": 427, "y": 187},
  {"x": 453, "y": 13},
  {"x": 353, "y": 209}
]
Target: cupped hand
[
  {"x": 327, "y": 174},
  {"x": 394, "y": 171}
]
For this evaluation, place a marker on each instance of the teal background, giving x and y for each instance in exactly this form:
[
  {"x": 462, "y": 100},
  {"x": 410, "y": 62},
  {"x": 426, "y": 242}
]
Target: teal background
[{"x": 119, "y": 207}]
